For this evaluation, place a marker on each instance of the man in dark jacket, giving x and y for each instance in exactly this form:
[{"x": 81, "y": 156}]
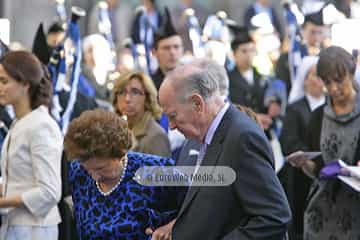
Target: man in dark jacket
[
  {"x": 168, "y": 49},
  {"x": 254, "y": 206},
  {"x": 247, "y": 86}
]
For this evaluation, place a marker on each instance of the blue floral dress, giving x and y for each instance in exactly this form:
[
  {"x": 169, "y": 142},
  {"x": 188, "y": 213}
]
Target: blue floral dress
[{"x": 128, "y": 210}]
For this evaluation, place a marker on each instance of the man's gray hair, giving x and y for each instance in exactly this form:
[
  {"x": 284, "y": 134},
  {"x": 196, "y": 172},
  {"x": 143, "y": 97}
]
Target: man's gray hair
[{"x": 203, "y": 76}]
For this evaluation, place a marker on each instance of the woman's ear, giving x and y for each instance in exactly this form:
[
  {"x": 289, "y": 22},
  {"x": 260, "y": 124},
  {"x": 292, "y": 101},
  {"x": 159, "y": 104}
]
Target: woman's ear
[{"x": 26, "y": 88}]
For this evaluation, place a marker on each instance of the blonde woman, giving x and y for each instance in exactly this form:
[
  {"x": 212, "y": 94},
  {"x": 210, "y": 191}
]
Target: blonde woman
[{"x": 135, "y": 96}]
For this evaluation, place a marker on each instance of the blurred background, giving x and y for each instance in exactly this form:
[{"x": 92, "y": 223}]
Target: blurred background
[{"x": 26, "y": 15}]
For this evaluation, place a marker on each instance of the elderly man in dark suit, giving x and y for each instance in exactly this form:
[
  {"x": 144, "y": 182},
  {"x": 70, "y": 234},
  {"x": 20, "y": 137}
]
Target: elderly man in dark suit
[{"x": 254, "y": 206}]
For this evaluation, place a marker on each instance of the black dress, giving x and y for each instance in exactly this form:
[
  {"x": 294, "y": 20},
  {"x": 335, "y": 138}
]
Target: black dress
[{"x": 295, "y": 182}]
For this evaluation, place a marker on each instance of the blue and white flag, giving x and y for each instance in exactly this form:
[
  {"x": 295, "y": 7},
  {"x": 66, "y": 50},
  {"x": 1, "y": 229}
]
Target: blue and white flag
[
  {"x": 194, "y": 32},
  {"x": 105, "y": 23},
  {"x": 74, "y": 34},
  {"x": 213, "y": 28},
  {"x": 296, "y": 51},
  {"x": 57, "y": 69},
  {"x": 60, "y": 10}
]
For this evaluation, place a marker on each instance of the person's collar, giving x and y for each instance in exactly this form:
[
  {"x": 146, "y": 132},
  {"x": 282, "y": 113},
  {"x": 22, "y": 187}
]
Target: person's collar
[
  {"x": 248, "y": 75},
  {"x": 241, "y": 70},
  {"x": 215, "y": 123},
  {"x": 165, "y": 71},
  {"x": 315, "y": 102},
  {"x": 140, "y": 127}
]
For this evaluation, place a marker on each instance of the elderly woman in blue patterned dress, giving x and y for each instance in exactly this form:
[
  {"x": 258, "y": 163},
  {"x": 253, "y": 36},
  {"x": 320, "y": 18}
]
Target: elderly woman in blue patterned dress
[{"x": 108, "y": 203}]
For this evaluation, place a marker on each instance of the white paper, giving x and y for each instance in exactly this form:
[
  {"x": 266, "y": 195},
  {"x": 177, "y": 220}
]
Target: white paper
[
  {"x": 354, "y": 179},
  {"x": 354, "y": 171},
  {"x": 351, "y": 181}
]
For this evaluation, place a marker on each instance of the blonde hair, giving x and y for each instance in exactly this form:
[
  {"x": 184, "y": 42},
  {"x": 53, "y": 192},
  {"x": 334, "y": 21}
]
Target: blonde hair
[{"x": 151, "y": 103}]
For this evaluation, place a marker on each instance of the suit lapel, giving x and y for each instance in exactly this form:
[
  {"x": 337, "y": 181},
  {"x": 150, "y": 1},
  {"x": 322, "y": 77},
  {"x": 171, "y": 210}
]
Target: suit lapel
[{"x": 211, "y": 157}]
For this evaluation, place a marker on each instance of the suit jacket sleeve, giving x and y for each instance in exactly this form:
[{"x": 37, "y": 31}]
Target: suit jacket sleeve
[{"x": 259, "y": 191}]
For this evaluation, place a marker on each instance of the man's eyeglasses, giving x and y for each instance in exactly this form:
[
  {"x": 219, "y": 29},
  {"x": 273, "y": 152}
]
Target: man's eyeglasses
[{"x": 133, "y": 92}]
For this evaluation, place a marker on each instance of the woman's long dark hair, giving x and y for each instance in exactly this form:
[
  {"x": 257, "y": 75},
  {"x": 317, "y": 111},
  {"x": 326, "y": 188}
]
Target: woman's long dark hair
[{"x": 25, "y": 68}]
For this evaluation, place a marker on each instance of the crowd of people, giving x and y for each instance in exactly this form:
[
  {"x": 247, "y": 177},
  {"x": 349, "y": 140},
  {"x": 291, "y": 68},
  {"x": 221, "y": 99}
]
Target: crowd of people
[{"x": 78, "y": 121}]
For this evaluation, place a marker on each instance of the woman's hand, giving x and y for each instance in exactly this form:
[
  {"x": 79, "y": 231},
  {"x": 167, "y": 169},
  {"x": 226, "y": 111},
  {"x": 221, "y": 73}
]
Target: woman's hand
[
  {"x": 297, "y": 159},
  {"x": 161, "y": 233}
]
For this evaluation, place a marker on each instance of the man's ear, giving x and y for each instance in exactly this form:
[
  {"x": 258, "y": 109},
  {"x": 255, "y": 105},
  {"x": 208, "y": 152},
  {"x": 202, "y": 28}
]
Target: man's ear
[{"x": 197, "y": 102}]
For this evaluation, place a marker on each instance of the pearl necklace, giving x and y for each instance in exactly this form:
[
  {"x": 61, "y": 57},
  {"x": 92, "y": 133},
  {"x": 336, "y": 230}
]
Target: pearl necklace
[{"x": 105, "y": 194}]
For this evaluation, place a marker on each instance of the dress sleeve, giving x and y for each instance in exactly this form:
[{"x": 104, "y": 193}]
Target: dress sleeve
[
  {"x": 313, "y": 136},
  {"x": 165, "y": 204},
  {"x": 74, "y": 168}
]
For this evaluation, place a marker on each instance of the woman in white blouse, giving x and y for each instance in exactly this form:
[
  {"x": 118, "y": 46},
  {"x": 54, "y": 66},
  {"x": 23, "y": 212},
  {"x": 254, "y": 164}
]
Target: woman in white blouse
[{"x": 31, "y": 154}]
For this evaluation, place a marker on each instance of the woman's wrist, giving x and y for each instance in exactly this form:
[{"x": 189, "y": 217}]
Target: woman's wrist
[
  {"x": 15, "y": 201},
  {"x": 309, "y": 168}
]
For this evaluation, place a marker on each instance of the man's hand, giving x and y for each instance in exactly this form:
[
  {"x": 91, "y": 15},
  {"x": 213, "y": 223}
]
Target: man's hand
[{"x": 161, "y": 233}]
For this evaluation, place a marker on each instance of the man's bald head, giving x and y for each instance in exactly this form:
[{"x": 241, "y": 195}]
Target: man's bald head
[{"x": 202, "y": 76}]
